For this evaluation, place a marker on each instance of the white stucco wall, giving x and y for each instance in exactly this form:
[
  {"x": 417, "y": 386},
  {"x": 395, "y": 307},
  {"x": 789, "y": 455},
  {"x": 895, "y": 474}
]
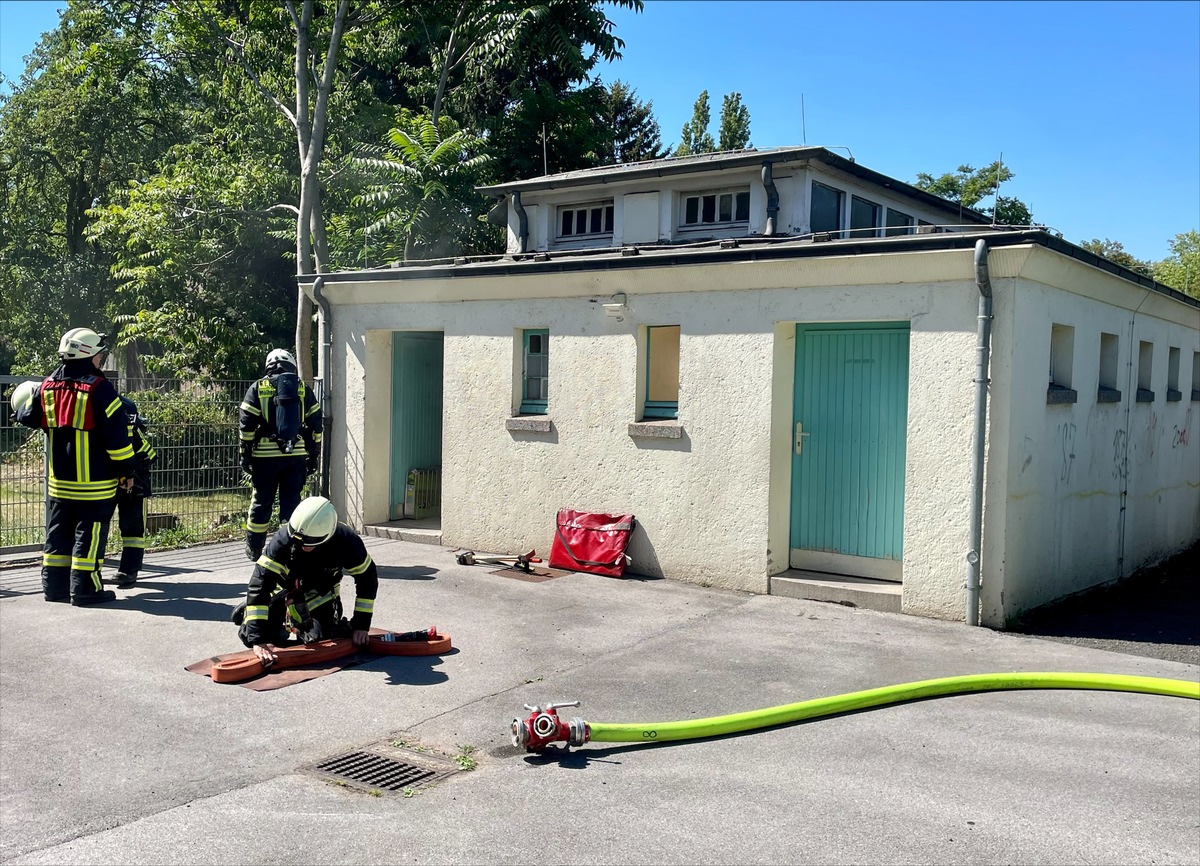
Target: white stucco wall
[
  {"x": 1068, "y": 470},
  {"x": 713, "y": 506}
]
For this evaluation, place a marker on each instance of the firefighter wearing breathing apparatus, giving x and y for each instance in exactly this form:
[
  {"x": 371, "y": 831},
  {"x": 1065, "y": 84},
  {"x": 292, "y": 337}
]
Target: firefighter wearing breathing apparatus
[
  {"x": 296, "y": 584},
  {"x": 90, "y": 456},
  {"x": 277, "y": 411}
]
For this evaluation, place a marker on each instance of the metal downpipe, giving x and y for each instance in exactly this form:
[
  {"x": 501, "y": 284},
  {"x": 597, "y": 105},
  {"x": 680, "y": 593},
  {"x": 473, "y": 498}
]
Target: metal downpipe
[
  {"x": 979, "y": 432},
  {"x": 522, "y": 222},
  {"x": 772, "y": 200},
  {"x": 324, "y": 396}
]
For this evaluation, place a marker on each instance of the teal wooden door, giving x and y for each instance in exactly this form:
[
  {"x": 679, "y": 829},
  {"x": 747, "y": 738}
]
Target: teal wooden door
[
  {"x": 416, "y": 408},
  {"x": 849, "y": 427}
]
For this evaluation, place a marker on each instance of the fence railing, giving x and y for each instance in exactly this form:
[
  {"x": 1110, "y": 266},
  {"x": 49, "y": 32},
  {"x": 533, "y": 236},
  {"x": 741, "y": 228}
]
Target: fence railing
[{"x": 199, "y": 492}]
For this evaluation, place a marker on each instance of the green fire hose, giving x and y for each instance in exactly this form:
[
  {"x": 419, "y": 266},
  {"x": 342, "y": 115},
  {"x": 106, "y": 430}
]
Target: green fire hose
[{"x": 544, "y": 725}]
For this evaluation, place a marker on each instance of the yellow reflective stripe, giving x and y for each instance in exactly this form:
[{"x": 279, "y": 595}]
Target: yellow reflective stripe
[
  {"x": 314, "y": 603},
  {"x": 268, "y": 448},
  {"x": 313, "y": 411},
  {"x": 52, "y": 560},
  {"x": 364, "y": 605},
  {"x": 85, "y": 486},
  {"x": 96, "y": 491},
  {"x": 255, "y": 612},
  {"x": 80, "y": 448},
  {"x": 253, "y": 410},
  {"x": 81, "y": 407},
  {"x": 269, "y": 564},
  {"x": 316, "y": 437},
  {"x": 246, "y": 435},
  {"x": 113, "y": 407},
  {"x": 125, "y": 453},
  {"x": 133, "y": 541},
  {"x": 359, "y": 569},
  {"x": 48, "y": 412}
]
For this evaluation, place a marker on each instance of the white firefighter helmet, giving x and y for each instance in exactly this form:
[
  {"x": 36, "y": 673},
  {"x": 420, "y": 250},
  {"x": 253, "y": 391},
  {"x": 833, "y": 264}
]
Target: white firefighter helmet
[
  {"x": 81, "y": 343},
  {"x": 22, "y": 396},
  {"x": 280, "y": 359},
  {"x": 313, "y": 522}
]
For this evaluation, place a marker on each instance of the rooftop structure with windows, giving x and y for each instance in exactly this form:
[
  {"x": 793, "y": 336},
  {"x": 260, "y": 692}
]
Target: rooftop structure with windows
[{"x": 785, "y": 192}]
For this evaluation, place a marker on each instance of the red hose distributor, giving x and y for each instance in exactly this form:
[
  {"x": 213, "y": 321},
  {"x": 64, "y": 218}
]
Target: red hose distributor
[{"x": 544, "y": 727}]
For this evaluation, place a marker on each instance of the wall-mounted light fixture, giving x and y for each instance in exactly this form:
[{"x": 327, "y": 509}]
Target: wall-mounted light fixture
[{"x": 615, "y": 308}]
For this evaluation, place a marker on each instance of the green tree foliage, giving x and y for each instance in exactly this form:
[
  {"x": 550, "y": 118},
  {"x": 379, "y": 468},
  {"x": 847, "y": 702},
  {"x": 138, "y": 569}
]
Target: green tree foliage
[
  {"x": 636, "y": 135},
  {"x": 969, "y": 186},
  {"x": 694, "y": 137},
  {"x": 1114, "y": 251},
  {"x": 98, "y": 99},
  {"x": 154, "y": 160},
  {"x": 1181, "y": 270},
  {"x": 734, "y": 132},
  {"x": 422, "y": 185}
]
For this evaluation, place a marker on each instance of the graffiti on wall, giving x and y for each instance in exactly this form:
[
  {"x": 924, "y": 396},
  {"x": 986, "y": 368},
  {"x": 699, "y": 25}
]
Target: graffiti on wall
[
  {"x": 1066, "y": 436},
  {"x": 1120, "y": 443},
  {"x": 1180, "y": 436}
]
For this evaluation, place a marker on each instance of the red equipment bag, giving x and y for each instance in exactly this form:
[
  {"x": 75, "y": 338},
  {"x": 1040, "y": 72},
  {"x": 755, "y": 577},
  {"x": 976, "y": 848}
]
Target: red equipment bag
[{"x": 594, "y": 543}]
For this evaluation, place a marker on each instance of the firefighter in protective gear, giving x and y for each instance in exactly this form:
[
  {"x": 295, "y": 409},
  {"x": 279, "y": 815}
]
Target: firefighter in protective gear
[
  {"x": 90, "y": 456},
  {"x": 131, "y": 502},
  {"x": 296, "y": 584},
  {"x": 274, "y": 465}
]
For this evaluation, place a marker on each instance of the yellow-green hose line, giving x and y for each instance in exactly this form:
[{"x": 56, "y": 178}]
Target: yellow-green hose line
[{"x": 817, "y": 707}]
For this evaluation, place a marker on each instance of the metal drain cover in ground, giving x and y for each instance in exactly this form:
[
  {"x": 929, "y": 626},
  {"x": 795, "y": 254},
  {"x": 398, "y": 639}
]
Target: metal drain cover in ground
[{"x": 375, "y": 771}]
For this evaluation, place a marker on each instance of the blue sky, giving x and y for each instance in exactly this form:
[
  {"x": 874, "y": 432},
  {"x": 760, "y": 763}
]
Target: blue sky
[{"x": 1095, "y": 106}]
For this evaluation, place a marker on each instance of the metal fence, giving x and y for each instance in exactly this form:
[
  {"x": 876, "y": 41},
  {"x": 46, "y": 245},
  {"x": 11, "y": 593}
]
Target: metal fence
[{"x": 199, "y": 492}]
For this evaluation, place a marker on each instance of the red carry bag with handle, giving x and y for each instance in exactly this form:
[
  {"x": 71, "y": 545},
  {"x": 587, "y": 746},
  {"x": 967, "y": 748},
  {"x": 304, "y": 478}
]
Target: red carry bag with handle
[{"x": 589, "y": 542}]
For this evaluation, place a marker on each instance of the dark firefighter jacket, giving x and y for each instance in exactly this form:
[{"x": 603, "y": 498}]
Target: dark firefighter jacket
[
  {"x": 143, "y": 452},
  {"x": 256, "y": 424},
  {"x": 315, "y": 575},
  {"x": 87, "y": 429}
]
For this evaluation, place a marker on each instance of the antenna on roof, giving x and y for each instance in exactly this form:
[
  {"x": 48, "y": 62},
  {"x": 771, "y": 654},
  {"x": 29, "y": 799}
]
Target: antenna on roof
[
  {"x": 996, "y": 203},
  {"x": 803, "y": 124},
  {"x": 545, "y": 163}
]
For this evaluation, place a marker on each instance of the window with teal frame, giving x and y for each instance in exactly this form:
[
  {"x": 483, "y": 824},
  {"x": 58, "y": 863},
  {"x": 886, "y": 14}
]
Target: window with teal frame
[
  {"x": 662, "y": 372},
  {"x": 535, "y": 371}
]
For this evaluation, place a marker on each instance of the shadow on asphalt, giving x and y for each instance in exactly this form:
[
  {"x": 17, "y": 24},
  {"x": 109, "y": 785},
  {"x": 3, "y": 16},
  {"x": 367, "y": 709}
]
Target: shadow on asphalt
[
  {"x": 1158, "y": 608},
  {"x": 406, "y": 572},
  {"x": 192, "y": 601}
]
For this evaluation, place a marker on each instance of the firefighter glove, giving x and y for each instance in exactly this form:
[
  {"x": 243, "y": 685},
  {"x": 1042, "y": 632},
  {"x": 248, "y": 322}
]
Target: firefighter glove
[{"x": 313, "y": 462}]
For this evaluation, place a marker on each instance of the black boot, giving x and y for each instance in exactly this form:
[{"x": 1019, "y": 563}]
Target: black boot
[
  {"x": 126, "y": 580},
  {"x": 89, "y": 598}
]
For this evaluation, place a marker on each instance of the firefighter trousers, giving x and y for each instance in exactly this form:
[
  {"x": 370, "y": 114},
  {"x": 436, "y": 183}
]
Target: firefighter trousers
[
  {"x": 270, "y": 476},
  {"x": 76, "y": 534},
  {"x": 131, "y": 520}
]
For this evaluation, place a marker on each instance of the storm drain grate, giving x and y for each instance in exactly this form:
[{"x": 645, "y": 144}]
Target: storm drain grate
[{"x": 381, "y": 772}]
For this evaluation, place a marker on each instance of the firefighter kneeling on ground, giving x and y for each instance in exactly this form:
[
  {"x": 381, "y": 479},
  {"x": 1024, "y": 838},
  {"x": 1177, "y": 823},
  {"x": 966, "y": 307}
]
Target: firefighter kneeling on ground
[{"x": 296, "y": 584}]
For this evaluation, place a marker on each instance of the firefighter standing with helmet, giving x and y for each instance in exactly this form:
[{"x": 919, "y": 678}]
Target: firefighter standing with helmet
[
  {"x": 278, "y": 411},
  {"x": 90, "y": 456},
  {"x": 131, "y": 502},
  {"x": 296, "y": 583}
]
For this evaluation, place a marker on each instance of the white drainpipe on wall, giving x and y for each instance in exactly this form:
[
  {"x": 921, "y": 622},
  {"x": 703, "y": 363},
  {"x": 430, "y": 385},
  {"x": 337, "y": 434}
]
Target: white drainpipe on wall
[
  {"x": 324, "y": 392},
  {"x": 979, "y": 436}
]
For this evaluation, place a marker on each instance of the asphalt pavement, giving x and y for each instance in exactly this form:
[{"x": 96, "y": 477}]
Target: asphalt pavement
[{"x": 110, "y": 752}]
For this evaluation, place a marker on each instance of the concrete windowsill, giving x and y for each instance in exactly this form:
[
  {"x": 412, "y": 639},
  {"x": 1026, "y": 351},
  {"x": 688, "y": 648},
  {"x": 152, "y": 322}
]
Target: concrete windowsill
[
  {"x": 528, "y": 423},
  {"x": 669, "y": 428},
  {"x": 1108, "y": 395},
  {"x": 1145, "y": 395},
  {"x": 1059, "y": 394},
  {"x": 1173, "y": 396}
]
